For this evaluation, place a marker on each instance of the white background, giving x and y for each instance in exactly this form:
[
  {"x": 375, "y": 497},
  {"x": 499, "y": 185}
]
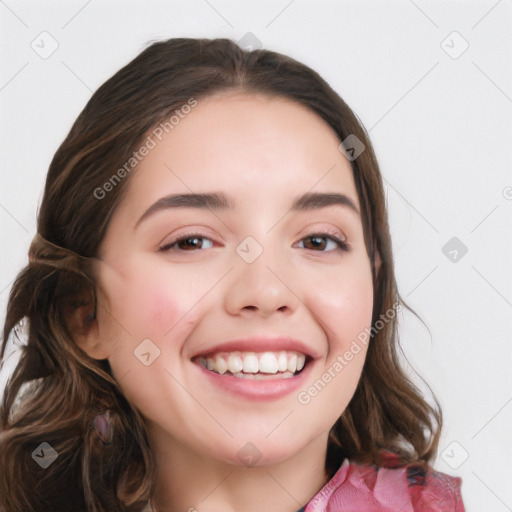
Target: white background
[{"x": 441, "y": 127}]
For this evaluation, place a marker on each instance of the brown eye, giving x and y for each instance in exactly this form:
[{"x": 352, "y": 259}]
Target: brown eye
[
  {"x": 323, "y": 243},
  {"x": 188, "y": 243},
  {"x": 315, "y": 242}
]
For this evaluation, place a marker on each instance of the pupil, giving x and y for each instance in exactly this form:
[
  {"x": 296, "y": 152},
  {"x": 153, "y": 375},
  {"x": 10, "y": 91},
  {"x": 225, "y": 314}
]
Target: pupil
[
  {"x": 190, "y": 243},
  {"x": 318, "y": 242}
]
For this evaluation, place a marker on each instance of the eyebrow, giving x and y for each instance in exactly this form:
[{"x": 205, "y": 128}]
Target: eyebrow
[
  {"x": 317, "y": 200},
  {"x": 219, "y": 201},
  {"x": 207, "y": 201}
]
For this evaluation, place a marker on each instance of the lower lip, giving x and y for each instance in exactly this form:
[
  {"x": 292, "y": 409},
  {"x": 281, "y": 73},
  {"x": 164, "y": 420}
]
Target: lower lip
[{"x": 257, "y": 389}]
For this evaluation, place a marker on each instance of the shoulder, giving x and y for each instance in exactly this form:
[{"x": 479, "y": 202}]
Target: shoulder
[{"x": 388, "y": 489}]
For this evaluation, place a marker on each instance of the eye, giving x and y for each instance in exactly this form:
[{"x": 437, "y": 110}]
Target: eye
[
  {"x": 190, "y": 242},
  {"x": 322, "y": 242}
]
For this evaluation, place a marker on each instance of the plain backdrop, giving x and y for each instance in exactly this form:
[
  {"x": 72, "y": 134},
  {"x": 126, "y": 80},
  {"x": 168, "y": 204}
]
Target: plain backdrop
[{"x": 432, "y": 83}]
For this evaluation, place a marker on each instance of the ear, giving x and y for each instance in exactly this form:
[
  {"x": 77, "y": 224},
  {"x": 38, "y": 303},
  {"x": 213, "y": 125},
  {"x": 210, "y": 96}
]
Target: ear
[{"x": 84, "y": 329}]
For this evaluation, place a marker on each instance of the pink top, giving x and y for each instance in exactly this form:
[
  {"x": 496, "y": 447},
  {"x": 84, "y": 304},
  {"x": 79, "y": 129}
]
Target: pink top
[{"x": 367, "y": 488}]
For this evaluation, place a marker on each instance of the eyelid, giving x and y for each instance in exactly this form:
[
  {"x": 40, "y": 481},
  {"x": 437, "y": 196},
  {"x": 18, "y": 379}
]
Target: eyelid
[
  {"x": 340, "y": 242},
  {"x": 325, "y": 230},
  {"x": 335, "y": 234},
  {"x": 183, "y": 235},
  {"x": 330, "y": 232}
]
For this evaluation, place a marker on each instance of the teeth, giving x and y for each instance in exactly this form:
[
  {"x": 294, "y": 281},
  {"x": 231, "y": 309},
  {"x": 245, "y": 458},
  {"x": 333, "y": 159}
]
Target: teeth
[
  {"x": 282, "y": 362},
  {"x": 244, "y": 375},
  {"x": 221, "y": 366},
  {"x": 292, "y": 363},
  {"x": 268, "y": 363},
  {"x": 251, "y": 363},
  {"x": 263, "y": 376},
  {"x": 235, "y": 364},
  {"x": 255, "y": 365}
]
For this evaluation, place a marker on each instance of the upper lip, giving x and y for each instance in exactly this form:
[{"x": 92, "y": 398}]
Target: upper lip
[{"x": 260, "y": 344}]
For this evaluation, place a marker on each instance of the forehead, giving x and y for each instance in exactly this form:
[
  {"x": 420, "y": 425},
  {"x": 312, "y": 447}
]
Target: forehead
[{"x": 245, "y": 143}]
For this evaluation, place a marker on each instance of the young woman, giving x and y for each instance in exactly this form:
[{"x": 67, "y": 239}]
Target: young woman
[{"x": 211, "y": 305}]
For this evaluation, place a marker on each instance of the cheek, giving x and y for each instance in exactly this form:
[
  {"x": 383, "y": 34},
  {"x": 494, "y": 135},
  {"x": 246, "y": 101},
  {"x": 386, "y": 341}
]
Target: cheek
[
  {"x": 146, "y": 302},
  {"x": 343, "y": 308},
  {"x": 162, "y": 309},
  {"x": 343, "y": 304},
  {"x": 146, "y": 322}
]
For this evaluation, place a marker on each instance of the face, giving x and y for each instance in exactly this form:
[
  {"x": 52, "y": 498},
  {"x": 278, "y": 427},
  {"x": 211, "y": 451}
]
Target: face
[{"x": 238, "y": 246}]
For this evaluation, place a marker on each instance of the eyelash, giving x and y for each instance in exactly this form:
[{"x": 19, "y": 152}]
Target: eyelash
[{"x": 342, "y": 245}]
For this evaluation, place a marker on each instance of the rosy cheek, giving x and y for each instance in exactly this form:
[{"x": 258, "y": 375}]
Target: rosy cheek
[
  {"x": 138, "y": 301},
  {"x": 163, "y": 310},
  {"x": 346, "y": 311}
]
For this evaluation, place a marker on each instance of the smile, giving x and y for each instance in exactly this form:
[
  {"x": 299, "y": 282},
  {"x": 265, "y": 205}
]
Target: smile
[{"x": 268, "y": 365}]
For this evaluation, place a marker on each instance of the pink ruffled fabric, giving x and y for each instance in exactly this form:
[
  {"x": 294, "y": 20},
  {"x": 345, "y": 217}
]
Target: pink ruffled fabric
[{"x": 365, "y": 488}]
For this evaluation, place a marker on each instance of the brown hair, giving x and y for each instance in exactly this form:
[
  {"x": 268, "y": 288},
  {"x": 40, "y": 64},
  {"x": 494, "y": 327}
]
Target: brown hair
[{"x": 387, "y": 412}]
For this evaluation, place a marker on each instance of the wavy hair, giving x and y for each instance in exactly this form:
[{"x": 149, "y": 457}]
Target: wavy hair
[{"x": 56, "y": 390}]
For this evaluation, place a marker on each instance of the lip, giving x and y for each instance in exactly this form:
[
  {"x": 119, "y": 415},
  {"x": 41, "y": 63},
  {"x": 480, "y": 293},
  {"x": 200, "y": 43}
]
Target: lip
[
  {"x": 261, "y": 390},
  {"x": 259, "y": 344}
]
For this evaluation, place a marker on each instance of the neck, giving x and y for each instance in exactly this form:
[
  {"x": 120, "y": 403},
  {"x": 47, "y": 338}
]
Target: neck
[{"x": 189, "y": 481}]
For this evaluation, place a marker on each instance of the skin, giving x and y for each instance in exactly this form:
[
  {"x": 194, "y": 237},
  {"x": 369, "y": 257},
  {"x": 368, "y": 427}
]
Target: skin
[{"x": 262, "y": 152}]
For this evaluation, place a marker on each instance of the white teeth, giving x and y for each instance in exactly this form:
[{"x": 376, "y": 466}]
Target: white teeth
[
  {"x": 244, "y": 375},
  {"x": 251, "y": 363},
  {"x": 235, "y": 364},
  {"x": 292, "y": 363},
  {"x": 263, "y": 376},
  {"x": 268, "y": 363},
  {"x": 282, "y": 362},
  {"x": 221, "y": 365}
]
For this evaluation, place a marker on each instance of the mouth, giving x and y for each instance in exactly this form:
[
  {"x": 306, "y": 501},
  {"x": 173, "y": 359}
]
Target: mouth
[{"x": 284, "y": 364}]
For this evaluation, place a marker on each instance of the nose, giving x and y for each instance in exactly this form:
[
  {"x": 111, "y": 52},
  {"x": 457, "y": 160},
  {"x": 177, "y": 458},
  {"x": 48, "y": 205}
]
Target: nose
[{"x": 260, "y": 288}]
